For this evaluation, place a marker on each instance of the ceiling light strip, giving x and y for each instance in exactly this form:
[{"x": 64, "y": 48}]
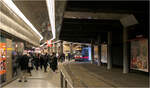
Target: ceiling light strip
[
  {"x": 51, "y": 12},
  {"x": 13, "y": 7}
]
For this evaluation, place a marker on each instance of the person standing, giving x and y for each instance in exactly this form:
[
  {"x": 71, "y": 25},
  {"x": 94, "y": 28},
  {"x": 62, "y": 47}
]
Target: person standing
[{"x": 23, "y": 64}]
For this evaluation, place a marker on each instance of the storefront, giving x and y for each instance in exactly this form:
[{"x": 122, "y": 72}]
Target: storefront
[{"x": 10, "y": 48}]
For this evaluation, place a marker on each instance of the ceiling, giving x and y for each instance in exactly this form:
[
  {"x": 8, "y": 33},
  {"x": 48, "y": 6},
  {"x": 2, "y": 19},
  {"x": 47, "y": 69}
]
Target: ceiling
[
  {"x": 86, "y": 20},
  {"x": 36, "y": 12}
]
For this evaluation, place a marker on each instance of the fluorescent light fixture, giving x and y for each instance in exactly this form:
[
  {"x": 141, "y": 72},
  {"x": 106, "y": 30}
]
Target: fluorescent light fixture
[
  {"x": 51, "y": 12},
  {"x": 13, "y": 7},
  {"x": 50, "y": 43}
]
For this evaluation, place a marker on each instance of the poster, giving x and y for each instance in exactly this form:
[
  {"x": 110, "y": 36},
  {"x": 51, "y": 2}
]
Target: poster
[
  {"x": 3, "y": 53},
  {"x": 2, "y": 58},
  {"x": 104, "y": 53},
  {"x": 139, "y": 55}
]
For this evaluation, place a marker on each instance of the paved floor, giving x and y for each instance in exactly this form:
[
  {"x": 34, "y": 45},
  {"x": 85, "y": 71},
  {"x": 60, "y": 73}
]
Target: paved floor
[
  {"x": 39, "y": 79},
  {"x": 93, "y": 76}
]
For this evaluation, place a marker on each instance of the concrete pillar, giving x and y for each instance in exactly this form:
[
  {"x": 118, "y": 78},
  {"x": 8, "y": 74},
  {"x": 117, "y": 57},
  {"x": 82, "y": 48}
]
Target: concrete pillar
[
  {"x": 55, "y": 47},
  {"x": 92, "y": 51},
  {"x": 61, "y": 47},
  {"x": 109, "y": 60},
  {"x": 125, "y": 55},
  {"x": 71, "y": 50},
  {"x": 99, "y": 50}
]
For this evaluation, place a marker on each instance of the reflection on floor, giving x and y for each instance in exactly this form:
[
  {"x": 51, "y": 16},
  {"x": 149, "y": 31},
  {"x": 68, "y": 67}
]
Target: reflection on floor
[{"x": 39, "y": 79}]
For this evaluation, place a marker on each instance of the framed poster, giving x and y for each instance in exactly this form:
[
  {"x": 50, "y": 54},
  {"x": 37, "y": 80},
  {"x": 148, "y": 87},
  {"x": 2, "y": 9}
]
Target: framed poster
[{"x": 139, "y": 55}]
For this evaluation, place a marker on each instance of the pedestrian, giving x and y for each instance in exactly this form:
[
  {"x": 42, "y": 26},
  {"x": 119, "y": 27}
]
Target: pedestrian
[
  {"x": 36, "y": 61},
  {"x": 62, "y": 57},
  {"x": 50, "y": 61},
  {"x": 41, "y": 61},
  {"x": 30, "y": 66},
  {"x": 45, "y": 62},
  {"x": 23, "y": 64},
  {"x": 54, "y": 62}
]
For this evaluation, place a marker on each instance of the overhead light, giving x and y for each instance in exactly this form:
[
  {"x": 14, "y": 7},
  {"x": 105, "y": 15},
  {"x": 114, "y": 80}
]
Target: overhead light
[
  {"x": 51, "y": 12},
  {"x": 15, "y": 9}
]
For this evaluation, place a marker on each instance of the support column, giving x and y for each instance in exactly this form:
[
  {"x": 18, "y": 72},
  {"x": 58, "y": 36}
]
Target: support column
[
  {"x": 109, "y": 60},
  {"x": 55, "y": 48},
  {"x": 99, "y": 51},
  {"x": 71, "y": 51},
  {"x": 125, "y": 55},
  {"x": 92, "y": 51},
  {"x": 61, "y": 47},
  {"x": 71, "y": 48}
]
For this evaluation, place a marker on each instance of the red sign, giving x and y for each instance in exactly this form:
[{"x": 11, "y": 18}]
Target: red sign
[{"x": 49, "y": 43}]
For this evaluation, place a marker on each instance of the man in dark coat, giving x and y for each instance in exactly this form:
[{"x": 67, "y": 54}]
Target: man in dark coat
[
  {"x": 36, "y": 61},
  {"x": 41, "y": 61},
  {"x": 46, "y": 57},
  {"x": 23, "y": 64},
  {"x": 54, "y": 62}
]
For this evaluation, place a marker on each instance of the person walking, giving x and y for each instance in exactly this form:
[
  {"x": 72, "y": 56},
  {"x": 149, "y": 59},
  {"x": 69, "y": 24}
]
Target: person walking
[
  {"x": 30, "y": 66},
  {"x": 50, "y": 61},
  {"x": 62, "y": 57},
  {"x": 54, "y": 62},
  {"x": 23, "y": 64},
  {"x": 45, "y": 62},
  {"x": 41, "y": 61},
  {"x": 36, "y": 61}
]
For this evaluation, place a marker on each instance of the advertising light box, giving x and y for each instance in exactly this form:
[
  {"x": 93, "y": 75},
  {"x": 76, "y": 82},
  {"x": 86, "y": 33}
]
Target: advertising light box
[{"x": 139, "y": 55}]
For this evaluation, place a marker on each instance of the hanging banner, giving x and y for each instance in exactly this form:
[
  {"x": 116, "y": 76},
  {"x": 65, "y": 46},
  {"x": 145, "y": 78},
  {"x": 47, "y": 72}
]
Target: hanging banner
[{"x": 139, "y": 55}]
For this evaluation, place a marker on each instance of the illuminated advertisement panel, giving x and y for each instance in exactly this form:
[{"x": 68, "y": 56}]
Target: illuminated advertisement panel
[
  {"x": 139, "y": 55},
  {"x": 2, "y": 59},
  {"x": 104, "y": 53}
]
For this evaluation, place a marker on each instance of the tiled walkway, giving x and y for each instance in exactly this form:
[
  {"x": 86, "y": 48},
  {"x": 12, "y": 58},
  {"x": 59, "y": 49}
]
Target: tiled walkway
[{"x": 39, "y": 79}]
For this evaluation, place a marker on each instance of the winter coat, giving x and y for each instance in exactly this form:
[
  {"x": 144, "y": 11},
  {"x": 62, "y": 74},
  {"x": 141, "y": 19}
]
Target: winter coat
[{"x": 23, "y": 62}]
